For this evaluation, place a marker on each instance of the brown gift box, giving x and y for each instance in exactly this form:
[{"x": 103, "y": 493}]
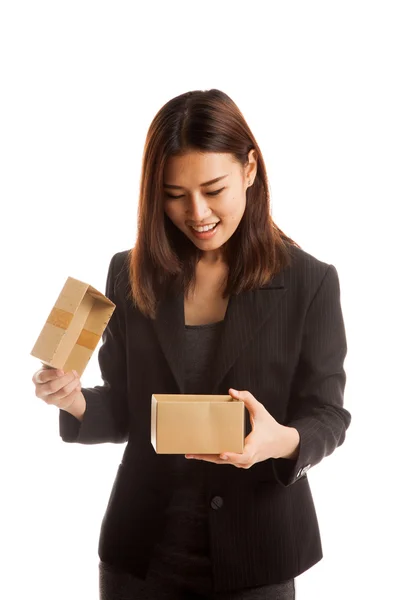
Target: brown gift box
[
  {"x": 197, "y": 424},
  {"x": 74, "y": 327}
]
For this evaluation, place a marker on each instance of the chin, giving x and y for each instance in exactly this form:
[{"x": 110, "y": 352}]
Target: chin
[{"x": 211, "y": 244}]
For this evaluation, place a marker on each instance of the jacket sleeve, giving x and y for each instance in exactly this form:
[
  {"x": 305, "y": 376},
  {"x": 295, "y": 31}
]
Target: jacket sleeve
[
  {"x": 106, "y": 415},
  {"x": 316, "y": 399}
]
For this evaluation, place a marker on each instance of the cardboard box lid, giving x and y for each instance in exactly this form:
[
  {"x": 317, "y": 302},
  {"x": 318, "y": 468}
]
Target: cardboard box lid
[
  {"x": 197, "y": 423},
  {"x": 74, "y": 326}
]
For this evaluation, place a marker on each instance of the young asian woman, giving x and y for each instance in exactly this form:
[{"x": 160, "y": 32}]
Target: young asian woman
[{"x": 213, "y": 298}]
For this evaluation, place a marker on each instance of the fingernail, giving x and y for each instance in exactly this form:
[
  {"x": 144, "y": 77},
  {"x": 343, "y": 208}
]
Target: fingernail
[
  {"x": 60, "y": 372},
  {"x": 75, "y": 373},
  {"x": 188, "y": 456},
  {"x": 223, "y": 457}
]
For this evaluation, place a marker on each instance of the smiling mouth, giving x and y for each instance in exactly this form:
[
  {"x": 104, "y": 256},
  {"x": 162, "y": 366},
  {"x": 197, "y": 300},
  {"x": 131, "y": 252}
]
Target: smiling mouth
[{"x": 204, "y": 228}]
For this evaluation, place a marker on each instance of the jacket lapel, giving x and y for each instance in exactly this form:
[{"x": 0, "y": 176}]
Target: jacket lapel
[
  {"x": 169, "y": 325},
  {"x": 245, "y": 314}
]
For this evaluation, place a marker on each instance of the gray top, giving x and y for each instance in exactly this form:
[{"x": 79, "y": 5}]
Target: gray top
[
  {"x": 183, "y": 554},
  {"x": 200, "y": 347}
]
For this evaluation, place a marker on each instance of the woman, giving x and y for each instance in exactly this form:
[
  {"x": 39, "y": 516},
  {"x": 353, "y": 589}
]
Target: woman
[{"x": 213, "y": 299}]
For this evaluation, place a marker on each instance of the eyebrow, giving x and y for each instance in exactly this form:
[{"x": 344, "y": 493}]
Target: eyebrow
[{"x": 167, "y": 185}]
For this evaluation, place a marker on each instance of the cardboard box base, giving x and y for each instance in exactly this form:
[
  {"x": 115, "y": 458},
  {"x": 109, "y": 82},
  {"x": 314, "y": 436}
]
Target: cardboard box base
[{"x": 197, "y": 424}]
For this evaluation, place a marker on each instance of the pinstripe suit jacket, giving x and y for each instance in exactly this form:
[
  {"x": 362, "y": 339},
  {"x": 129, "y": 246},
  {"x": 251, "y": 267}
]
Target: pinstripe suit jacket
[{"x": 286, "y": 344}]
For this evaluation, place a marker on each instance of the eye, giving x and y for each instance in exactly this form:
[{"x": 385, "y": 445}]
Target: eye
[
  {"x": 208, "y": 194},
  {"x": 215, "y": 193},
  {"x": 171, "y": 196}
]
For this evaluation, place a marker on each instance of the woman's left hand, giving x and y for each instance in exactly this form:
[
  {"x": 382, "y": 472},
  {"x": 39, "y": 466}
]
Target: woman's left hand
[{"x": 268, "y": 438}]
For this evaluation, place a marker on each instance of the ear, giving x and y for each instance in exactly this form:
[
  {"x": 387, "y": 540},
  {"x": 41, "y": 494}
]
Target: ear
[{"x": 251, "y": 167}]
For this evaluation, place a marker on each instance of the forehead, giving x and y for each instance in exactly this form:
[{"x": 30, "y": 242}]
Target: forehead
[{"x": 197, "y": 167}]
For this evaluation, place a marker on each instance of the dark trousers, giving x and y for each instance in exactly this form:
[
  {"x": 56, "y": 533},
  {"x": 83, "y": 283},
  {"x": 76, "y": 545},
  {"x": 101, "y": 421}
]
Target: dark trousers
[{"x": 118, "y": 585}]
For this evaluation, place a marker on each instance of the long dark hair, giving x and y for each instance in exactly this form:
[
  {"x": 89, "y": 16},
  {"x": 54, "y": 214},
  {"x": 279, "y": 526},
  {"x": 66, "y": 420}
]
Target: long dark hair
[{"x": 163, "y": 257}]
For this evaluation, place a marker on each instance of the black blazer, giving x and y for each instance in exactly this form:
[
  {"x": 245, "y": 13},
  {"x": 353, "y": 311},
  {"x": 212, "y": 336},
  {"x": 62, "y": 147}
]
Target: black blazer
[{"x": 285, "y": 343}]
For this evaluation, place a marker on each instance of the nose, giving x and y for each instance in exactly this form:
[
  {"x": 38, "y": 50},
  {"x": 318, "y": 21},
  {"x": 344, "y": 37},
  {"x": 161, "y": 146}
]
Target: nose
[{"x": 197, "y": 208}]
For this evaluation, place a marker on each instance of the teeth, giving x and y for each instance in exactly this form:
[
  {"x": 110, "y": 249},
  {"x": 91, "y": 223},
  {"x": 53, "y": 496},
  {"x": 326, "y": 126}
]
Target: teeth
[{"x": 205, "y": 228}]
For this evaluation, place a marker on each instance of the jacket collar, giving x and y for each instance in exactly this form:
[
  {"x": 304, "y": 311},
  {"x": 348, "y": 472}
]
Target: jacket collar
[{"x": 246, "y": 313}]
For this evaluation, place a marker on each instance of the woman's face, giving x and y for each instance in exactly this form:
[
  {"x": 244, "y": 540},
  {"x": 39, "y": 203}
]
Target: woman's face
[{"x": 190, "y": 203}]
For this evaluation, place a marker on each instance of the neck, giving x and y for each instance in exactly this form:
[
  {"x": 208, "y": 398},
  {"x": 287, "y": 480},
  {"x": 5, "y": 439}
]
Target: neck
[{"x": 213, "y": 258}]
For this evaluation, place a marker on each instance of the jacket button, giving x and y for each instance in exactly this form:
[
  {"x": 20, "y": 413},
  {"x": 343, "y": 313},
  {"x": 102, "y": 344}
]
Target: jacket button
[{"x": 217, "y": 502}]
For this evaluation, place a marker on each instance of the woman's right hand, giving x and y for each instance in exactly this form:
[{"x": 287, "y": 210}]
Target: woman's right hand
[{"x": 56, "y": 387}]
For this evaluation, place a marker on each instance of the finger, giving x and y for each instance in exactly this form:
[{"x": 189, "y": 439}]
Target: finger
[
  {"x": 214, "y": 458},
  {"x": 63, "y": 392},
  {"x": 238, "y": 460},
  {"x": 232, "y": 456},
  {"x": 55, "y": 385},
  {"x": 47, "y": 374},
  {"x": 245, "y": 457}
]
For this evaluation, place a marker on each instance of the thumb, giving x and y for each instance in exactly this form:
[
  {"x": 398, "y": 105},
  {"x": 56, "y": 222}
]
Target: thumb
[{"x": 250, "y": 402}]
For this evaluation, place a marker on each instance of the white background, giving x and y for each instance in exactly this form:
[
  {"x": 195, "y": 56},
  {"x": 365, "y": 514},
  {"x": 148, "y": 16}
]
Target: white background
[{"x": 318, "y": 83}]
